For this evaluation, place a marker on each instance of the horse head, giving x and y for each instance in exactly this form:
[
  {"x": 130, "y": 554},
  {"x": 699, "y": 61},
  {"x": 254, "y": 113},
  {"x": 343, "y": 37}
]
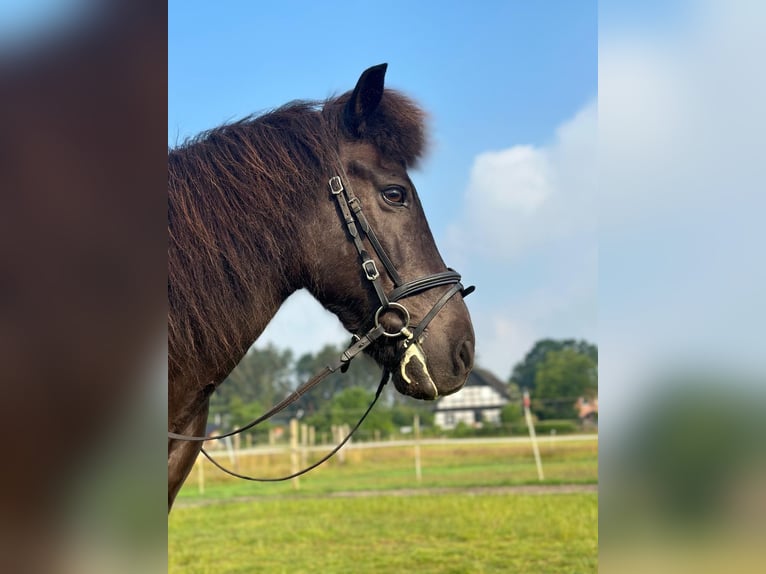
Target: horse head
[{"x": 378, "y": 134}]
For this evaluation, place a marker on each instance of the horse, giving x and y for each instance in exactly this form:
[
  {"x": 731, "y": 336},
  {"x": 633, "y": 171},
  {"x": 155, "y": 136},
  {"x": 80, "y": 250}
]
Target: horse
[{"x": 262, "y": 207}]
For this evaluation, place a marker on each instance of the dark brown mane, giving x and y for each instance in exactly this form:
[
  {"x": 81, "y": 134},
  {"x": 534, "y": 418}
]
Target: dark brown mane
[
  {"x": 397, "y": 129},
  {"x": 237, "y": 196}
]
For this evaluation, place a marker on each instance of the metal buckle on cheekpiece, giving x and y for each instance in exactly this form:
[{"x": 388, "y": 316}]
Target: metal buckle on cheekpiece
[
  {"x": 347, "y": 362},
  {"x": 370, "y": 269},
  {"x": 336, "y": 185}
]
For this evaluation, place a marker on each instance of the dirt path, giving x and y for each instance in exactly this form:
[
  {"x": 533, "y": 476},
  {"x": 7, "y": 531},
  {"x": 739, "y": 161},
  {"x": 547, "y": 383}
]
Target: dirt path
[{"x": 470, "y": 491}]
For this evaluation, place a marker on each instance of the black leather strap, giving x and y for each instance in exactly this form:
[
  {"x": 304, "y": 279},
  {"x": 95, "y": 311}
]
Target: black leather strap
[
  {"x": 434, "y": 310},
  {"x": 346, "y": 357},
  {"x": 344, "y": 198},
  {"x": 383, "y": 381},
  {"x": 423, "y": 284},
  {"x": 356, "y": 206}
]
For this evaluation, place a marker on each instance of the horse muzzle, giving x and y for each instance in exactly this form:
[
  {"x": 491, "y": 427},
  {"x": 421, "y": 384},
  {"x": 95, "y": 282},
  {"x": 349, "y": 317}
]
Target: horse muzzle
[{"x": 412, "y": 376}]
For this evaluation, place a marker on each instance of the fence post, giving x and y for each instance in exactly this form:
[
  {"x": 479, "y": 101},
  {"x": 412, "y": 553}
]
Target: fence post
[
  {"x": 533, "y": 436},
  {"x": 200, "y": 475},
  {"x": 416, "y": 430},
  {"x": 233, "y": 458},
  {"x": 337, "y": 436},
  {"x": 304, "y": 444},
  {"x": 237, "y": 438},
  {"x": 294, "y": 452}
]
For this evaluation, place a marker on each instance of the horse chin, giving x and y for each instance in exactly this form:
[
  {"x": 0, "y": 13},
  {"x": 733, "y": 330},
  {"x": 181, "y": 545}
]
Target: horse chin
[
  {"x": 418, "y": 387},
  {"x": 411, "y": 377}
]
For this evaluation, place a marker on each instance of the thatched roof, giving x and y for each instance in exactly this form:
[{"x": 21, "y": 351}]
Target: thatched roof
[{"x": 483, "y": 378}]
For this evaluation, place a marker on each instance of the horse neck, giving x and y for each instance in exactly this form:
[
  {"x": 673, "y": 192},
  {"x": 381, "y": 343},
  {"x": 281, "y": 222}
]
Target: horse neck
[{"x": 238, "y": 284}]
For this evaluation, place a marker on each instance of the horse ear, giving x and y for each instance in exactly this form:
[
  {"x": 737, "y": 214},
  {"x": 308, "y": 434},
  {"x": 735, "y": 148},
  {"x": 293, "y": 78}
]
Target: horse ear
[{"x": 365, "y": 98}]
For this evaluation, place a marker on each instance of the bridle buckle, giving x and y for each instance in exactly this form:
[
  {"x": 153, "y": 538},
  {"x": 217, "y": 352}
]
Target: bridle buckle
[
  {"x": 336, "y": 185},
  {"x": 370, "y": 269}
]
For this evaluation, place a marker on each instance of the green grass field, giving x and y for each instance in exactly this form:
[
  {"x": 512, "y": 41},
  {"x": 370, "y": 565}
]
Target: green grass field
[{"x": 276, "y": 528}]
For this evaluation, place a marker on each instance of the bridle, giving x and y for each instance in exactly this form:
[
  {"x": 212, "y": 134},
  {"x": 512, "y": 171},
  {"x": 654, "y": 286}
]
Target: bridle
[
  {"x": 355, "y": 220},
  {"x": 357, "y": 226}
]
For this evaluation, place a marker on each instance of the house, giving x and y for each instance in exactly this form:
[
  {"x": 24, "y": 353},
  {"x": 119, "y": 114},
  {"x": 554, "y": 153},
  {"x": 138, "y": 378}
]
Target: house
[
  {"x": 479, "y": 401},
  {"x": 587, "y": 411},
  {"x": 212, "y": 430}
]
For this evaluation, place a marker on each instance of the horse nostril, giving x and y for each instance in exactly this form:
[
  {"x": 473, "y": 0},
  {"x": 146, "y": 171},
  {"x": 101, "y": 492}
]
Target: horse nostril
[{"x": 464, "y": 357}]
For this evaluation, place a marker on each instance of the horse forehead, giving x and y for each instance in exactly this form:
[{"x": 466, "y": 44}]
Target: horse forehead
[{"x": 367, "y": 155}]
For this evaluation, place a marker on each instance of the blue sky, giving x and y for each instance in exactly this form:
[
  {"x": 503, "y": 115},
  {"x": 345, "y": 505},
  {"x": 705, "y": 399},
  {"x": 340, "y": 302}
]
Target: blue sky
[{"x": 511, "y": 90}]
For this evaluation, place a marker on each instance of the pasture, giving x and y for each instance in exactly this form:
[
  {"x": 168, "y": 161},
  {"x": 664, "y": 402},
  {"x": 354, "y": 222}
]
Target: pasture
[{"x": 479, "y": 508}]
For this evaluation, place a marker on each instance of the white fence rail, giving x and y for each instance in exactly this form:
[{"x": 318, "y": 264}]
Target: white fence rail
[{"x": 283, "y": 448}]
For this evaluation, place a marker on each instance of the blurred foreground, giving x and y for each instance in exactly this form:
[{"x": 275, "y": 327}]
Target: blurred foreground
[
  {"x": 82, "y": 286},
  {"x": 681, "y": 286},
  {"x": 683, "y": 487}
]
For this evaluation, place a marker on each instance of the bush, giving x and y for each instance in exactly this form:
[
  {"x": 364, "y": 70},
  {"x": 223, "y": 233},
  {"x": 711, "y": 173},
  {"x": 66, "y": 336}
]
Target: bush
[
  {"x": 462, "y": 430},
  {"x": 518, "y": 428},
  {"x": 545, "y": 427},
  {"x": 560, "y": 426},
  {"x": 511, "y": 413}
]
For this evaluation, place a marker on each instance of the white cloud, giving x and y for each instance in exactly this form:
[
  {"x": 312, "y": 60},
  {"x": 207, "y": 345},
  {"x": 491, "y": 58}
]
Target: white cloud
[
  {"x": 527, "y": 238},
  {"x": 501, "y": 342},
  {"x": 526, "y": 196},
  {"x": 516, "y": 179}
]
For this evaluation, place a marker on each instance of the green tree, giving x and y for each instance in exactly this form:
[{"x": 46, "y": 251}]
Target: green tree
[
  {"x": 262, "y": 376},
  {"x": 241, "y": 413},
  {"x": 511, "y": 413},
  {"x": 525, "y": 372},
  {"x": 403, "y": 414},
  {"x": 363, "y": 373},
  {"x": 562, "y": 377},
  {"x": 347, "y": 408}
]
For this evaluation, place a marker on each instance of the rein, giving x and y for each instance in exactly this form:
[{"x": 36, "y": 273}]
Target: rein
[
  {"x": 325, "y": 458},
  {"x": 355, "y": 220}
]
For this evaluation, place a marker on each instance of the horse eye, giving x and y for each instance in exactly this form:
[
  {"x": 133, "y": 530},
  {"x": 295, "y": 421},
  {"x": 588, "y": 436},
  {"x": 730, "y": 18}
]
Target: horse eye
[{"x": 394, "y": 195}]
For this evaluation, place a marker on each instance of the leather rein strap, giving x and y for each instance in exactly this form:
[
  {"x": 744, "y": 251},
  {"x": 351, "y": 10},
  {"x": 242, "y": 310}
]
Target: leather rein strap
[
  {"x": 325, "y": 458},
  {"x": 344, "y": 359},
  {"x": 355, "y": 220}
]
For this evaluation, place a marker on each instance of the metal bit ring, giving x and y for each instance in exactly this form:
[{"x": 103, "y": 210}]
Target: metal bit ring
[{"x": 405, "y": 315}]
